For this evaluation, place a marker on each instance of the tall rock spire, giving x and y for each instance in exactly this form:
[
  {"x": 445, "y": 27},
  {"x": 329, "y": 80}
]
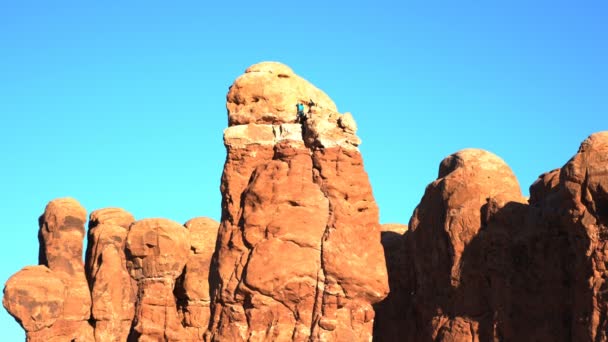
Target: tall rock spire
[{"x": 298, "y": 254}]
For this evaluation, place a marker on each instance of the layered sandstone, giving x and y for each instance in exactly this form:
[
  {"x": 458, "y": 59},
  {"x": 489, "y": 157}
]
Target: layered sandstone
[{"x": 298, "y": 254}]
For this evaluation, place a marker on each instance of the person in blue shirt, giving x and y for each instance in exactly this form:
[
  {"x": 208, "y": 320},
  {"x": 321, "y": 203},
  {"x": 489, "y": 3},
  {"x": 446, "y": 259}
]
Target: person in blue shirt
[{"x": 300, "y": 110}]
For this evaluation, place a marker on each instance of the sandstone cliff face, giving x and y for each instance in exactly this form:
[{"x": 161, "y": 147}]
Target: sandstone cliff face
[
  {"x": 298, "y": 255},
  {"x": 480, "y": 263}
]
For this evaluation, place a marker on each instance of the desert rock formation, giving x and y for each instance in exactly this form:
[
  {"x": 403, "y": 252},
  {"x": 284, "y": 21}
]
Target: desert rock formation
[
  {"x": 52, "y": 301},
  {"x": 299, "y": 254},
  {"x": 480, "y": 263},
  {"x": 113, "y": 291},
  {"x": 129, "y": 291}
]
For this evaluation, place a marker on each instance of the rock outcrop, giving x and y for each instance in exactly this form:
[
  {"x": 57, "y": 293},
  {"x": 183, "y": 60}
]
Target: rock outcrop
[
  {"x": 298, "y": 254},
  {"x": 157, "y": 251},
  {"x": 480, "y": 263},
  {"x": 113, "y": 291},
  {"x": 52, "y": 301},
  {"x": 129, "y": 291},
  {"x": 192, "y": 289}
]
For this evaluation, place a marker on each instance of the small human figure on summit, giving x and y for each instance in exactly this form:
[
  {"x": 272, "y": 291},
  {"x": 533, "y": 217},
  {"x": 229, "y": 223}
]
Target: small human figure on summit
[
  {"x": 300, "y": 108},
  {"x": 310, "y": 104}
]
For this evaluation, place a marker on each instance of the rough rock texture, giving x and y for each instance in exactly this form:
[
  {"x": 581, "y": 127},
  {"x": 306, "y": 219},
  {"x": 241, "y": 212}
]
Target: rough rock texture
[
  {"x": 35, "y": 297},
  {"x": 113, "y": 291},
  {"x": 443, "y": 226},
  {"x": 298, "y": 254},
  {"x": 193, "y": 286},
  {"x": 267, "y": 93},
  {"x": 479, "y": 263},
  {"x": 61, "y": 235},
  {"x": 131, "y": 267},
  {"x": 389, "y": 324},
  {"x": 52, "y": 302},
  {"x": 157, "y": 251}
]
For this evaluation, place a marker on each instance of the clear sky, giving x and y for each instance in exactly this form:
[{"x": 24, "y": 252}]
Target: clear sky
[{"x": 123, "y": 103}]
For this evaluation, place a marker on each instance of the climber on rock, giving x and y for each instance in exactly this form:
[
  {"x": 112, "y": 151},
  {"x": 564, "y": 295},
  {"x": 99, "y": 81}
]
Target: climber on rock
[
  {"x": 300, "y": 108},
  {"x": 310, "y": 104}
]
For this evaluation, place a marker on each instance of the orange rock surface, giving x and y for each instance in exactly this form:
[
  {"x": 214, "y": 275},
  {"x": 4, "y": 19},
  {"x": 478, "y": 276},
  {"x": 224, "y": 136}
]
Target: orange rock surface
[
  {"x": 113, "y": 291},
  {"x": 299, "y": 254}
]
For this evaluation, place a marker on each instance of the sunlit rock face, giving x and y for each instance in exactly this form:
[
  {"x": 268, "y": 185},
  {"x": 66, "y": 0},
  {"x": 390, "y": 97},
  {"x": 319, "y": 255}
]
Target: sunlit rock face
[
  {"x": 298, "y": 255},
  {"x": 52, "y": 301}
]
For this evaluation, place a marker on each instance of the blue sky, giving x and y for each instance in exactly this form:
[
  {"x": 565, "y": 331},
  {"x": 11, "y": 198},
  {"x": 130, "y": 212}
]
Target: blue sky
[{"x": 123, "y": 105}]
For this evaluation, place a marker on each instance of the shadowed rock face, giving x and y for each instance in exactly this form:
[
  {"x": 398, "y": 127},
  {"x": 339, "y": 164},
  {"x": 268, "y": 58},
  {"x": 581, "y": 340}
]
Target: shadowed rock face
[
  {"x": 298, "y": 254},
  {"x": 443, "y": 226},
  {"x": 481, "y": 264},
  {"x": 192, "y": 287}
]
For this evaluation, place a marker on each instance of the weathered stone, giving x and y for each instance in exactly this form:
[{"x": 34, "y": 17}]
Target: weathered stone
[
  {"x": 268, "y": 93},
  {"x": 35, "y": 297},
  {"x": 61, "y": 234},
  {"x": 157, "y": 251},
  {"x": 491, "y": 267},
  {"x": 114, "y": 216},
  {"x": 113, "y": 291},
  {"x": 192, "y": 288},
  {"x": 298, "y": 254}
]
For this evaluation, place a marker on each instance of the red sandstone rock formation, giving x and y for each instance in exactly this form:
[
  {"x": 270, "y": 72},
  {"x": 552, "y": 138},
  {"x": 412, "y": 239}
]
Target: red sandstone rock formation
[
  {"x": 113, "y": 291},
  {"x": 157, "y": 251},
  {"x": 131, "y": 269},
  {"x": 491, "y": 267},
  {"x": 298, "y": 254},
  {"x": 444, "y": 224},
  {"x": 53, "y": 302},
  {"x": 192, "y": 289}
]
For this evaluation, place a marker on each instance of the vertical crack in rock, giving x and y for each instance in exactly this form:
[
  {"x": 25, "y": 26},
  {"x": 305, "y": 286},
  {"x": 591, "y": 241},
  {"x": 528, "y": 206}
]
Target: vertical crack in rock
[
  {"x": 305, "y": 237},
  {"x": 192, "y": 288},
  {"x": 157, "y": 251},
  {"x": 113, "y": 291}
]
